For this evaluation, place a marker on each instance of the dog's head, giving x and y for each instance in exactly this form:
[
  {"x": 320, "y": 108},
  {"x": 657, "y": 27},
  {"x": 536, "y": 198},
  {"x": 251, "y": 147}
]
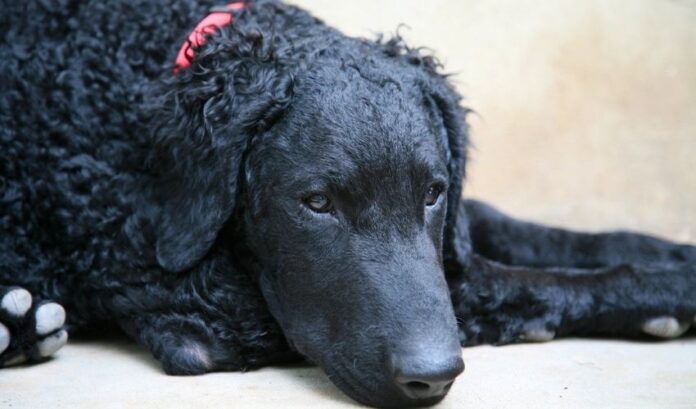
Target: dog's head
[{"x": 341, "y": 174}]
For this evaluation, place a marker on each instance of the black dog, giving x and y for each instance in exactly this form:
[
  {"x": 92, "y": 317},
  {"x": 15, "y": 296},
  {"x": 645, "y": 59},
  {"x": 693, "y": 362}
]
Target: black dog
[{"x": 282, "y": 191}]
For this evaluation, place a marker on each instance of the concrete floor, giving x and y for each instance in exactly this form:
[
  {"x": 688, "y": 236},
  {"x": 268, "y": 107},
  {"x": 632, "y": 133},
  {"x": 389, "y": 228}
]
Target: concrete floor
[
  {"x": 585, "y": 118},
  {"x": 560, "y": 374}
]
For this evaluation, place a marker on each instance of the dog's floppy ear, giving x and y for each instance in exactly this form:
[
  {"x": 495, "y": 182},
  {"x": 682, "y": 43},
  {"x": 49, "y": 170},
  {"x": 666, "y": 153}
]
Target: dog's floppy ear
[
  {"x": 456, "y": 243},
  {"x": 202, "y": 122},
  {"x": 443, "y": 102}
]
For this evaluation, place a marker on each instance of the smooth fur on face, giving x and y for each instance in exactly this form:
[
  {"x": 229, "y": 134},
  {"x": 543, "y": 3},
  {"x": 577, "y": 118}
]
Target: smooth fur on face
[{"x": 348, "y": 219}]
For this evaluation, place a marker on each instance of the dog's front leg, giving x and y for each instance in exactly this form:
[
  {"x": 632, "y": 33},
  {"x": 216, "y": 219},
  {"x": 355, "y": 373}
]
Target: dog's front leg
[
  {"x": 495, "y": 303},
  {"x": 211, "y": 319}
]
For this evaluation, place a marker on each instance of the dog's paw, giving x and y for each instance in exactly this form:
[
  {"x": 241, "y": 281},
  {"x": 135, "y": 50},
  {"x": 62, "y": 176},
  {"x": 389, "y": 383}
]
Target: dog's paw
[
  {"x": 537, "y": 335},
  {"x": 503, "y": 330},
  {"x": 665, "y": 327},
  {"x": 190, "y": 358},
  {"x": 30, "y": 331}
]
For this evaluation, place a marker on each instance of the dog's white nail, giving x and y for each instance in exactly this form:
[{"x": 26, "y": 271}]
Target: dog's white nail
[
  {"x": 53, "y": 343},
  {"x": 16, "y": 302},
  {"x": 538, "y": 335},
  {"x": 664, "y": 327},
  {"x": 49, "y": 317},
  {"x": 4, "y": 338},
  {"x": 16, "y": 360}
]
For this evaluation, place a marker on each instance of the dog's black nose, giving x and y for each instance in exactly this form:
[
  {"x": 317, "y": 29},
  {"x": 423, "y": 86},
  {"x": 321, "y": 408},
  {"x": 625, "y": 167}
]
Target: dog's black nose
[{"x": 429, "y": 377}]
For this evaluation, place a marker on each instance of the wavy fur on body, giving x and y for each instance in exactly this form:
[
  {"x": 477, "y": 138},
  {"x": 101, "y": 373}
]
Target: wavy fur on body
[
  {"x": 137, "y": 197},
  {"x": 95, "y": 161}
]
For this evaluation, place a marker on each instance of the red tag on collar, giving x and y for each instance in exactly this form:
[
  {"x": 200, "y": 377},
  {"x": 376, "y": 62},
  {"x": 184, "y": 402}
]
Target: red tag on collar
[{"x": 218, "y": 17}]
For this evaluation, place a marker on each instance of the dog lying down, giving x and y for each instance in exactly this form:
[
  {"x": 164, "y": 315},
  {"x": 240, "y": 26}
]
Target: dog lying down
[{"x": 269, "y": 189}]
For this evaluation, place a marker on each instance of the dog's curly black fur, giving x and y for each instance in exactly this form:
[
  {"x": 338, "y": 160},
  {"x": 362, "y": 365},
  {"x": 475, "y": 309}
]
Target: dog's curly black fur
[{"x": 127, "y": 191}]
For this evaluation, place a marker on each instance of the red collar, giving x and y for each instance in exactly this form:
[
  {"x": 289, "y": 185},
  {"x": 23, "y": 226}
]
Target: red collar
[{"x": 218, "y": 17}]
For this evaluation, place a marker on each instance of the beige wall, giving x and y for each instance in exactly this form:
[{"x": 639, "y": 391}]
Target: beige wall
[{"x": 586, "y": 109}]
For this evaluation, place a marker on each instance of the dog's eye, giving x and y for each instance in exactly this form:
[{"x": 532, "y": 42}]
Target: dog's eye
[
  {"x": 432, "y": 195},
  {"x": 318, "y": 202}
]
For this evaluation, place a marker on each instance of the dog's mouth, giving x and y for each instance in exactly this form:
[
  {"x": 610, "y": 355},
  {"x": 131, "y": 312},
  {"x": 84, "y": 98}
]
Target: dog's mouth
[{"x": 408, "y": 358}]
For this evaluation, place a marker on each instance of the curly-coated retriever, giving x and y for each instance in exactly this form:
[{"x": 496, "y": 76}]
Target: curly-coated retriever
[{"x": 266, "y": 188}]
